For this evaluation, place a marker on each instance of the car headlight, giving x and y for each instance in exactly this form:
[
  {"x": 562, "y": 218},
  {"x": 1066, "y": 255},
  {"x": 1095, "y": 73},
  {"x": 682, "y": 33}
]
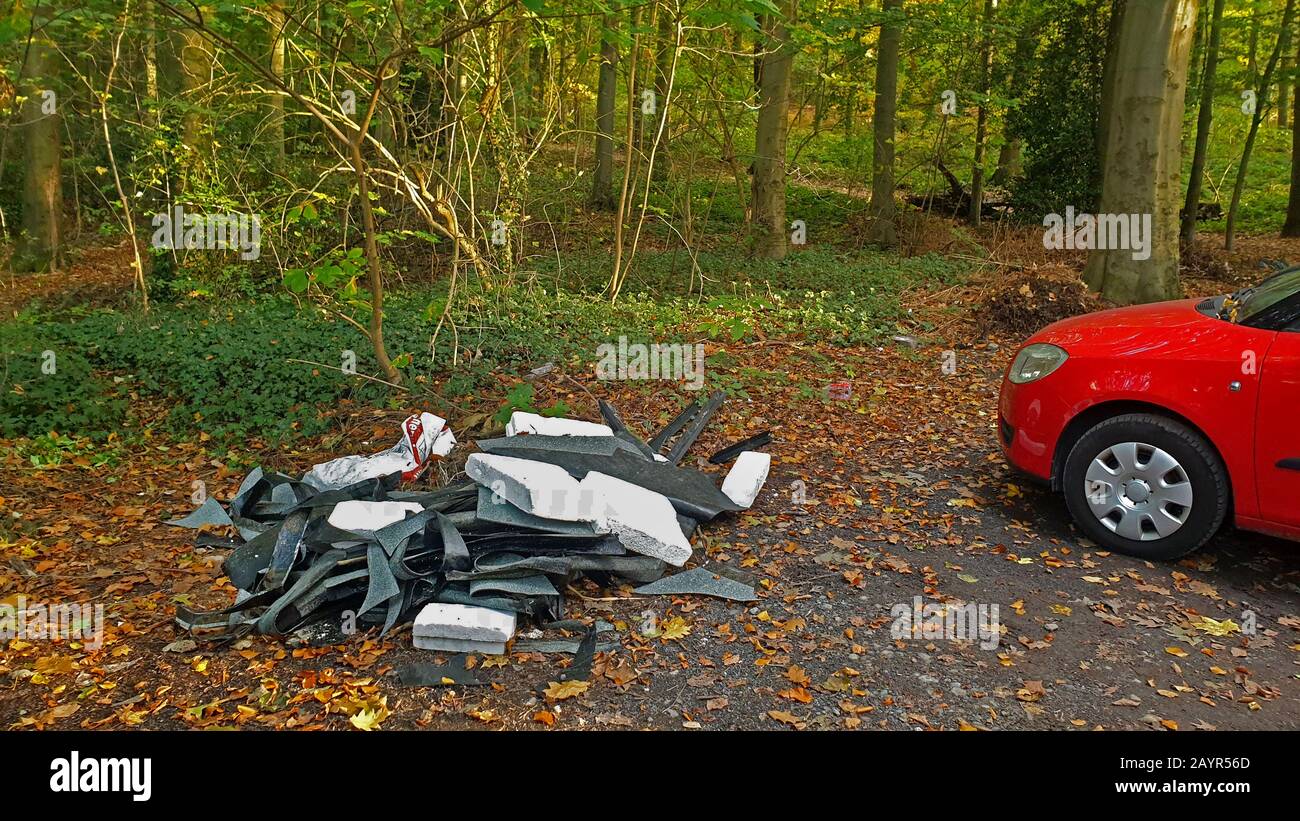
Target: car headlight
[{"x": 1036, "y": 361}]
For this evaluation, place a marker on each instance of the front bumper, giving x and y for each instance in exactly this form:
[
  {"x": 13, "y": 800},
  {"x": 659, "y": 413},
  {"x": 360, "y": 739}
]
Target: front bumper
[{"x": 1030, "y": 421}]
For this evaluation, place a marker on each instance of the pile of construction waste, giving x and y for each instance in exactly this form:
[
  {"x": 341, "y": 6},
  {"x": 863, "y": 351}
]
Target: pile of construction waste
[{"x": 346, "y": 548}]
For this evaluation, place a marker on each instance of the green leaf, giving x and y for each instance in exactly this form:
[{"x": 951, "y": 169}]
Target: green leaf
[
  {"x": 560, "y": 408},
  {"x": 295, "y": 279}
]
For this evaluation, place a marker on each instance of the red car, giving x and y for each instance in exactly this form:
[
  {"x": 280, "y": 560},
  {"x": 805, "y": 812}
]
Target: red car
[{"x": 1158, "y": 421}]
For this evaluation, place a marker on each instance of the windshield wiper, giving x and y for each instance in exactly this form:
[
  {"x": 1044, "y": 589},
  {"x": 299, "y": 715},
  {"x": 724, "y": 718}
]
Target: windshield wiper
[{"x": 1233, "y": 302}]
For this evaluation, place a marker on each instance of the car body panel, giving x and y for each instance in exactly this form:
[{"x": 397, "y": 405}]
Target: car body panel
[
  {"x": 1277, "y": 433},
  {"x": 1169, "y": 355}
]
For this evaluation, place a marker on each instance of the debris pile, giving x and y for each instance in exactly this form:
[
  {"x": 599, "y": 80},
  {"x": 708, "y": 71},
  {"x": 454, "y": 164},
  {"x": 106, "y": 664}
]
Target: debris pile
[
  {"x": 1034, "y": 297},
  {"x": 552, "y": 499}
]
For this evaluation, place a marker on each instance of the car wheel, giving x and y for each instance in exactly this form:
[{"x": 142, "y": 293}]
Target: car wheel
[{"x": 1145, "y": 485}]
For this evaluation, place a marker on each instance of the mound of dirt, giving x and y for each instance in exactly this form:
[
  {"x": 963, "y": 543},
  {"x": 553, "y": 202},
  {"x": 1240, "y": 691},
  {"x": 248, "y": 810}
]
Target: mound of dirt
[{"x": 1030, "y": 298}]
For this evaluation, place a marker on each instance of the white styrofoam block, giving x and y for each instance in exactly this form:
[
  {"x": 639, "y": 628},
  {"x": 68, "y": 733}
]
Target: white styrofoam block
[
  {"x": 522, "y": 422},
  {"x": 361, "y": 515},
  {"x": 486, "y": 648},
  {"x": 464, "y": 622},
  {"x": 746, "y": 477},
  {"x": 643, "y": 520},
  {"x": 535, "y": 487}
]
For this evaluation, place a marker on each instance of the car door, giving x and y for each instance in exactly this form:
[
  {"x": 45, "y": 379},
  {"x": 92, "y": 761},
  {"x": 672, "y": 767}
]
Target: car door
[{"x": 1277, "y": 431}]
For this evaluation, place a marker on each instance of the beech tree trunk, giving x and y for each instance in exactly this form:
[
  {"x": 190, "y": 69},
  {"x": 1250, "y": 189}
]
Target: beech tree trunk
[
  {"x": 1284, "y": 87},
  {"x": 663, "y": 69},
  {"x": 39, "y": 247},
  {"x": 982, "y": 117},
  {"x": 882, "y": 231},
  {"x": 1142, "y": 158},
  {"x": 1291, "y": 228},
  {"x": 768, "y": 190},
  {"x": 1204, "y": 119},
  {"x": 1008, "y": 161},
  {"x": 1261, "y": 107},
  {"x": 276, "y": 18},
  {"x": 197, "y": 57},
  {"x": 601, "y": 189}
]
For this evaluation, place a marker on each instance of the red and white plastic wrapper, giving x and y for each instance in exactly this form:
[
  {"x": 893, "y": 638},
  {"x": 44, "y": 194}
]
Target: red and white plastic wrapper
[{"x": 424, "y": 436}]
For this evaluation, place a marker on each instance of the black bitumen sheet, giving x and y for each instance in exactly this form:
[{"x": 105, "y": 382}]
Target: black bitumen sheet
[{"x": 297, "y": 572}]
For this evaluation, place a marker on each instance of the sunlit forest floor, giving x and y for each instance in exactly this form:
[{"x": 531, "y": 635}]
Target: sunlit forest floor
[{"x": 906, "y": 492}]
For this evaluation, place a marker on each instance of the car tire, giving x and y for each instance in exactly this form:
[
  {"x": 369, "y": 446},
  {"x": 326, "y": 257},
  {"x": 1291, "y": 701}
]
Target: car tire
[{"x": 1127, "y": 478}]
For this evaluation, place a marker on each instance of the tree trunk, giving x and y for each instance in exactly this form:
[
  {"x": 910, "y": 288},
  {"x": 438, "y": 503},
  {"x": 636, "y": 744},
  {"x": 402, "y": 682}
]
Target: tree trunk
[
  {"x": 1009, "y": 155},
  {"x": 1284, "y": 87},
  {"x": 374, "y": 268},
  {"x": 277, "y": 20},
  {"x": 1008, "y": 161},
  {"x": 196, "y": 61},
  {"x": 637, "y": 88},
  {"x": 768, "y": 190},
  {"x": 1252, "y": 49},
  {"x": 882, "y": 230},
  {"x": 39, "y": 248},
  {"x": 1141, "y": 172},
  {"x": 663, "y": 69},
  {"x": 1204, "y": 119},
  {"x": 1113, "y": 25},
  {"x": 1291, "y": 228},
  {"x": 602, "y": 195},
  {"x": 150, "y": 27},
  {"x": 1261, "y": 107},
  {"x": 982, "y": 116}
]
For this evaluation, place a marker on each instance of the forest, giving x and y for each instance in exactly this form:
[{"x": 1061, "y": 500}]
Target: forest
[
  {"x": 263, "y": 232},
  {"x": 468, "y": 163}
]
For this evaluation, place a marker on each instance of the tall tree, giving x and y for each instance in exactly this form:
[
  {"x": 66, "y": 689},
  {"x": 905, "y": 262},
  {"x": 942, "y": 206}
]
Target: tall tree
[
  {"x": 1284, "y": 86},
  {"x": 39, "y": 248},
  {"x": 602, "y": 195},
  {"x": 1204, "y": 119},
  {"x": 982, "y": 116},
  {"x": 197, "y": 59},
  {"x": 1291, "y": 228},
  {"x": 666, "y": 48},
  {"x": 1261, "y": 107},
  {"x": 882, "y": 230},
  {"x": 768, "y": 191},
  {"x": 1252, "y": 50},
  {"x": 1114, "y": 26},
  {"x": 1141, "y": 171},
  {"x": 277, "y": 20},
  {"x": 1009, "y": 164}
]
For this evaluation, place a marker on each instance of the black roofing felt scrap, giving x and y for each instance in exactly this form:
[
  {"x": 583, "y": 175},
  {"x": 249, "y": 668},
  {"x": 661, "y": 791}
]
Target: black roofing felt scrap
[
  {"x": 298, "y": 573},
  {"x": 688, "y": 437},
  {"x": 451, "y": 674},
  {"x": 699, "y": 582},
  {"x": 681, "y": 420},
  {"x": 621, "y": 431},
  {"x": 732, "y": 451}
]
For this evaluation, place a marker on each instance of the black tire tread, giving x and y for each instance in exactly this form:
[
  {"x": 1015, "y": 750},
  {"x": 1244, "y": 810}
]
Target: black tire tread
[{"x": 1187, "y": 436}]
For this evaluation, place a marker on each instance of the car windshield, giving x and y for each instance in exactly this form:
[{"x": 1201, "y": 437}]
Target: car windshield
[{"x": 1261, "y": 297}]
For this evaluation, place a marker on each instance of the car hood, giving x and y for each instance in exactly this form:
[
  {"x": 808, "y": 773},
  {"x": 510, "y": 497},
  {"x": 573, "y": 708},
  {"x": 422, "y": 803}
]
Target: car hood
[{"x": 1158, "y": 329}]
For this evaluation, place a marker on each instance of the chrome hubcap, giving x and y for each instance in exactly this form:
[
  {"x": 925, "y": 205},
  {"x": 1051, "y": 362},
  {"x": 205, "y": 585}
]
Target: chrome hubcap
[{"x": 1139, "y": 491}]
